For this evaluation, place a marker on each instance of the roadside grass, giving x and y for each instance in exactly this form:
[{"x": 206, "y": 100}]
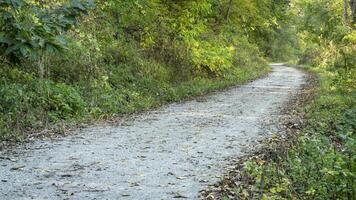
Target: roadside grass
[
  {"x": 317, "y": 163},
  {"x": 29, "y": 105}
]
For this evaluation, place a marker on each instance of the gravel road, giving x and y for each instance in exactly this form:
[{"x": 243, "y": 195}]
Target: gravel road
[{"x": 172, "y": 152}]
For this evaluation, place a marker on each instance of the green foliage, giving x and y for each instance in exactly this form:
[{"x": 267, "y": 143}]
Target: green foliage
[
  {"x": 32, "y": 103},
  {"x": 320, "y": 163},
  {"x": 125, "y": 56},
  {"x": 27, "y": 30},
  {"x": 322, "y": 19}
]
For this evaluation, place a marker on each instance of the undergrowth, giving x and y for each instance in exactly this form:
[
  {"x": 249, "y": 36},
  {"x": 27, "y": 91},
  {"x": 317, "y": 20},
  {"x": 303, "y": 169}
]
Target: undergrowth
[
  {"x": 30, "y": 104},
  {"x": 319, "y": 162},
  {"x": 73, "y": 61}
]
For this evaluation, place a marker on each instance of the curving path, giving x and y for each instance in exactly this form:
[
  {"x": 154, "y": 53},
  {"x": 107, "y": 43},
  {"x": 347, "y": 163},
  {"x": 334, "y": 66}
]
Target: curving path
[{"x": 172, "y": 152}]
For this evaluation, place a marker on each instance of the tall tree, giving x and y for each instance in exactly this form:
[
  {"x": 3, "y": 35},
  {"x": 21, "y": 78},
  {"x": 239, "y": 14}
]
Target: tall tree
[
  {"x": 346, "y": 9},
  {"x": 353, "y": 10}
]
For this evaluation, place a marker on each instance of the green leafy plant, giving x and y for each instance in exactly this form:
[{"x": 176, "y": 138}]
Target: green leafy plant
[{"x": 27, "y": 31}]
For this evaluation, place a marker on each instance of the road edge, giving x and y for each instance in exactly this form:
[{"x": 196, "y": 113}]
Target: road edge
[
  {"x": 290, "y": 125},
  {"x": 63, "y": 129}
]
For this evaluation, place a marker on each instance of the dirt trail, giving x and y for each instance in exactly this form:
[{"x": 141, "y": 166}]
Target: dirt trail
[{"x": 172, "y": 152}]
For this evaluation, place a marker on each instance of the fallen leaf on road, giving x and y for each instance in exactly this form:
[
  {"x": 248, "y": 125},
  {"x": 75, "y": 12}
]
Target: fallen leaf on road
[{"x": 18, "y": 167}]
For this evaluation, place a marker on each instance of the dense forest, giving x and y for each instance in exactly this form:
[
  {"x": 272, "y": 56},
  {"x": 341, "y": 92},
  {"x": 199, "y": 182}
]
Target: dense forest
[
  {"x": 71, "y": 61},
  {"x": 319, "y": 162},
  {"x": 81, "y": 60}
]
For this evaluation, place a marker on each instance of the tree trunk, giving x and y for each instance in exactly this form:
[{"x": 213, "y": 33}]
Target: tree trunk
[
  {"x": 118, "y": 23},
  {"x": 228, "y": 10},
  {"x": 346, "y": 14},
  {"x": 41, "y": 66},
  {"x": 353, "y": 10}
]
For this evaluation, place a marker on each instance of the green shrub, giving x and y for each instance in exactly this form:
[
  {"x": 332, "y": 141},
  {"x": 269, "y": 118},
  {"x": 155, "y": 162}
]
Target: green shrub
[
  {"x": 122, "y": 56},
  {"x": 28, "y": 30},
  {"x": 321, "y": 162},
  {"x": 37, "y": 102}
]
